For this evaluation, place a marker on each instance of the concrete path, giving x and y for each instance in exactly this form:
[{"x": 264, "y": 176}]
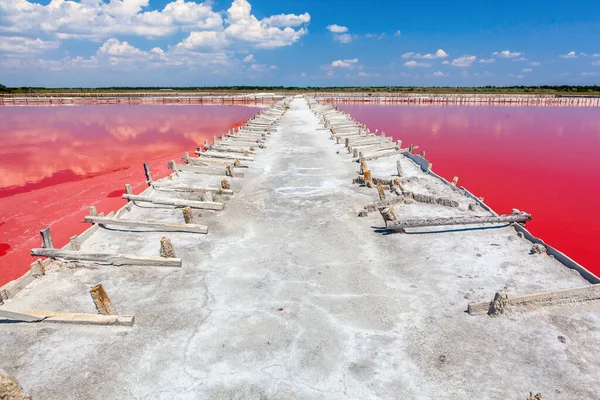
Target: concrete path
[{"x": 291, "y": 295}]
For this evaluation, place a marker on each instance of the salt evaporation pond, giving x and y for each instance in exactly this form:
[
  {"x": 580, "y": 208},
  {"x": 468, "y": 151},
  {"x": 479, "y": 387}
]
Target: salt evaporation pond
[
  {"x": 55, "y": 162},
  {"x": 542, "y": 160}
]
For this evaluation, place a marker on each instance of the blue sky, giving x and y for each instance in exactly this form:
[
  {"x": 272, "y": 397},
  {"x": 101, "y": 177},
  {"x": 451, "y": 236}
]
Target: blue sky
[{"x": 299, "y": 43}]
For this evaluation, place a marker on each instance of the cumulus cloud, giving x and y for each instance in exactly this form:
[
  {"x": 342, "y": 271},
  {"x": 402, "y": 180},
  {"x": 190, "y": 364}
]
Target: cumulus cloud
[
  {"x": 507, "y": 54},
  {"x": 287, "y": 20},
  {"x": 19, "y": 44},
  {"x": 344, "y": 63},
  {"x": 337, "y": 28},
  {"x": 340, "y": 33},
  {"x": 438, "y": 54},
  {"x": 464, "y": 61},
  {"x": 535, "y": 63},
  {"x": 570, "y": 54},
  {"x": 249, "y": 58},
  {"x": 516, "y": 76},
  {"x": 488, "y": 61},
  {"x": 439, "y": 73},
  {"x": 98, "y": 20},
  {"x": 415, "y": 64},
  {"x": 398, "y": 33},
  {"x": 526, "y": 70}
]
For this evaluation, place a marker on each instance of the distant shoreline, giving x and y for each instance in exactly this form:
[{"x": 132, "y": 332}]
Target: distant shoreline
[{"x": 262, "y": 98}]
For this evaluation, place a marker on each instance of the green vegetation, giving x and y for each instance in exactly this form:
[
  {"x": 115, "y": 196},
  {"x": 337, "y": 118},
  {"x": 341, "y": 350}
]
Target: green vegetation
[{"x": 554, "y": 90}]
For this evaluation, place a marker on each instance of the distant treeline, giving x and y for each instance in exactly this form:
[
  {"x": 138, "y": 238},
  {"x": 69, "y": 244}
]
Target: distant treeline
[{"x": 546, "y": 89}]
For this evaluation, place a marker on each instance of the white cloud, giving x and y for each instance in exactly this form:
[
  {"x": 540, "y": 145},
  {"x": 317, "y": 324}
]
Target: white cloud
[
  {"x": 99, "y": 20},
  {"x": 507, "y": 54},
  {"x": 113, "y": 47},
  {"x": 535, "y": 63},
  {"x": 377, "y": 36},
  {"x": 344, "y": 63},
  {"x": 413, "y": 64},
  {"x": 526, "y": 70},
  {"x": 438, "y": 54},
  {"x": 520, "y": 59},
  {"x": 262, "y": 67},
  {"x": 596, "y": 55},
  {"x": 596, "y": 62},
  {"x": 439, "y": 73},
  {"x": 398, "y": 33},
  {"x": 589, "y": 73},
  {"x": 488, "y": 61},
  {"x": 570, "y": 54},
  {"x": 445, "y": 62},
  {"x": 303, "y": 75},
  {"x": 249, "y": 58},
  {"x": 516, "y": 76},
  {"x": 464, "y": 61},
  {"x": 96, "y": 20},
  {"x": 343, "y": 38},
  {"x": 337, "y": 28},
  {"x": 18, "y": 44},
  {"x": 287, "y": 20}
]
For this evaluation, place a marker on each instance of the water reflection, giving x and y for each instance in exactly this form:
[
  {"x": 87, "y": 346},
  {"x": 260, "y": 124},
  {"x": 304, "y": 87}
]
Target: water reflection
[
  {"x": 48, "y": 145},
  {"x": 57, "y": 161}
]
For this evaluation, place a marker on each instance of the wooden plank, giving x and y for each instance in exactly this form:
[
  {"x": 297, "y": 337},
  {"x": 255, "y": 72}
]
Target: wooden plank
[
  {"x": 220, "y": 155},
  {"x": 205, "y": 171},
  {"x": 158, "y": 225},
  {"x": 107, "y": 258},
  {"x": 204, "y": 205},
  {"x": 383, "y": 154},
  {"x": 468, "y": 220},
  {"x": 67, "y": 318},
  {"x": 532, "y": 301},
  {"x": 184, "y": 188}
]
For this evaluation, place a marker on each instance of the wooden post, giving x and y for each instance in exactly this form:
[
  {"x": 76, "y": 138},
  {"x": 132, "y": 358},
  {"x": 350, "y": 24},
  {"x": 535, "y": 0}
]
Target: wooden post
[
  {"x": 367, "y": 178},
  {"x": 455, "y": 181},
  {"x": 422, "y": 154},
  {"x": 93, "y": 210},
  {"x": 399, "y": 144},
  {"x": 205, "y": 145},
  {"x": 388, "y": 214},
  {"x": 188, "y": 216},
  {"x": 37, "y": 269},
  {"x": 128, "y": 189},
  {"x": 102, "y": 301},
  {"x": 399, "y": 168},
  {"x": 74, "y": 241},
  {"x": 225, "y": 184},
  {"x": 214, "y": 140},
  {"x": 355, "y": 153},
  {"x": 173, "y": 167},
  {"x": 229, "y": 170},
  {"x": 166, "y": 248},
  {"x": 381, "y": 191},
  {"x": 147, "y": 173},
  {"x": 46, "y": 239},
  {"x": 363, "y": 166}
]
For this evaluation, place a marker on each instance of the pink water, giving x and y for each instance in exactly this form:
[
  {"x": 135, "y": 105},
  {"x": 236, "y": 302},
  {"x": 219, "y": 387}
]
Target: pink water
[
  {"x": 55, "y": 162},
  {"x": 542, "y": 160}
]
